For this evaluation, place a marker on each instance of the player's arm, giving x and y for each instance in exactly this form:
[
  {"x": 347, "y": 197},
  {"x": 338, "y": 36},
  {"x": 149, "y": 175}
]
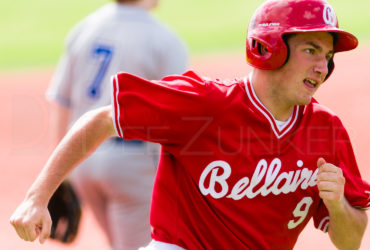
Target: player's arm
[
  {"x": 347, "y": 224},
  {"x": 31, "y": 219}
]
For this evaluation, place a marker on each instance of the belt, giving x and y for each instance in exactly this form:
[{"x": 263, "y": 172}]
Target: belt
[{"x": 119, "y": 140}]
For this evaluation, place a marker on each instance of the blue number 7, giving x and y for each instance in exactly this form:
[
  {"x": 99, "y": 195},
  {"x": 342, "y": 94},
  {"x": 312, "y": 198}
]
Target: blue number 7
[{"x": 106, "y": 53}]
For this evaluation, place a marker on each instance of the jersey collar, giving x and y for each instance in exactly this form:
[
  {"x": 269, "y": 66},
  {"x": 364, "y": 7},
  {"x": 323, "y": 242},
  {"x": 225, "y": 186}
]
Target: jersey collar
[{"x": 266, "y": 113}]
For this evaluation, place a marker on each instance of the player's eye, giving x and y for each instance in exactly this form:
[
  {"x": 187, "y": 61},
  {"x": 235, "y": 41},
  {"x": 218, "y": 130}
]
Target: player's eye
[{"x": 310, "y": 51}]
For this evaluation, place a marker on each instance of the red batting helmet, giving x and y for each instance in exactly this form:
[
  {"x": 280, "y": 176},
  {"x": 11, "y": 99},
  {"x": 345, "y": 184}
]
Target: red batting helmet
[{"x": 275, "y": 18}]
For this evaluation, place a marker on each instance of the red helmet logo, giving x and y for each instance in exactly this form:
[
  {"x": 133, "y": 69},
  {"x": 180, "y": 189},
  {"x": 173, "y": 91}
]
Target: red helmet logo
[{"x": 329, "y": 16}]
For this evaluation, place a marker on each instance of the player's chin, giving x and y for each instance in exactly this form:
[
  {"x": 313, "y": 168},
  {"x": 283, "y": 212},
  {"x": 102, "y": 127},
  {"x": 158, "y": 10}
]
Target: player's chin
[{"x": 304, "y": 100}]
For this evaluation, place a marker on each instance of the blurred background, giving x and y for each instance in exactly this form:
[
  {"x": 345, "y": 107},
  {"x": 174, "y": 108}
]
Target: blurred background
[
  {"x": 31, "y": 41},
  {"x": 32, "y": 33}
]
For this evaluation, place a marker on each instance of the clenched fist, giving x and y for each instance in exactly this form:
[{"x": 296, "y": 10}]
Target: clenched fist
[
  {"x": 330, "y": 182},
  {"x": 31, "y": 221}
]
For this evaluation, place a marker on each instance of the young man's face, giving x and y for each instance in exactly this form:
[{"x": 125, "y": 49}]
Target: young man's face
[{"x": 306, "y": 68}]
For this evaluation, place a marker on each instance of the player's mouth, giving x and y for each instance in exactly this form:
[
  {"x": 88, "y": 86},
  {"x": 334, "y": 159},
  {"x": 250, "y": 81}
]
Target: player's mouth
[{"x": 310, "y": 83}]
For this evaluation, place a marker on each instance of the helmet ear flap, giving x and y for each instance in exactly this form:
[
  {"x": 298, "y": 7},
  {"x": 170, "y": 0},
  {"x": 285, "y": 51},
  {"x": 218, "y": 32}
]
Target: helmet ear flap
[
  {"x": 266, "y": 56},
  {"x": 258, "y": 52},
  {"x": 260, "y": 49}
]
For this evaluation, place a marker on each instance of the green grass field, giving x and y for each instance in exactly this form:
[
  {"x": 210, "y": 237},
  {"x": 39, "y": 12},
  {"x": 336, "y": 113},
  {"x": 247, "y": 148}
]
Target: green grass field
[{"x": 32, "y": 32}]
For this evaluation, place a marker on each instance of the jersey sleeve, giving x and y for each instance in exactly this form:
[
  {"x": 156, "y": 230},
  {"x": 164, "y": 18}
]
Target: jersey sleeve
[
  {"x": 357, "y": 190},
  {"x": 59, "y": 89},
  {"x": 321, "y": 217},
  {"x": 60, "y": 86},
  {"x": 167, "y": 111}
]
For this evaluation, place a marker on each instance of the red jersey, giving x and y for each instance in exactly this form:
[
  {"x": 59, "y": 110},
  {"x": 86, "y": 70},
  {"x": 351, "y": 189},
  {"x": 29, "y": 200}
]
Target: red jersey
[{"x": 228, "y": 178}]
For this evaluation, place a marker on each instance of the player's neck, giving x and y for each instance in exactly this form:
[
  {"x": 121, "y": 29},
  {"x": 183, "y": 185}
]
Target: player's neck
[{"x": 279, "y": 108}]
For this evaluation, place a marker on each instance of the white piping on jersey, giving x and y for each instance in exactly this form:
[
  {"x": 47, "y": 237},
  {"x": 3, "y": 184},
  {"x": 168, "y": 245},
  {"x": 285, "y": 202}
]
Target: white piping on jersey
[
  {"x": 324, "y": 224},
  {"x": 368, "y": 204},
  {"x": 158, "y": 245},
  {"x": 115, "y": 105},
  {"x": 275, "y": 128},
  {"x": 281, "y": 125}
]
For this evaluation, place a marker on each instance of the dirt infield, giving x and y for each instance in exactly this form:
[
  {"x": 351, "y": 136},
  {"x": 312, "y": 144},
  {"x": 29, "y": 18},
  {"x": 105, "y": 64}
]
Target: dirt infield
[{"x": 26, "y": 140}]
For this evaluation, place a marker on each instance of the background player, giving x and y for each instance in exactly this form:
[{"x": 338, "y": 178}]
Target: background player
[
  {"x": 120, "y": 36},
  {"x": 244, "y": 163}
]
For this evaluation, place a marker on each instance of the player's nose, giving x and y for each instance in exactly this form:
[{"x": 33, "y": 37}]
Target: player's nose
[{"x": 321, "y": 67}]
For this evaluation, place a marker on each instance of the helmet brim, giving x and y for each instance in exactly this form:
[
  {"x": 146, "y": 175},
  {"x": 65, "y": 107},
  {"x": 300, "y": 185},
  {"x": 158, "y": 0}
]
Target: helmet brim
[{"x": 345, "y": 41}]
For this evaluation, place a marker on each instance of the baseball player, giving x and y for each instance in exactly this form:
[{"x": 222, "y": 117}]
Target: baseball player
[
  {"x": 120, "y": 36},
  {"x": 245, "y": 163}
]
